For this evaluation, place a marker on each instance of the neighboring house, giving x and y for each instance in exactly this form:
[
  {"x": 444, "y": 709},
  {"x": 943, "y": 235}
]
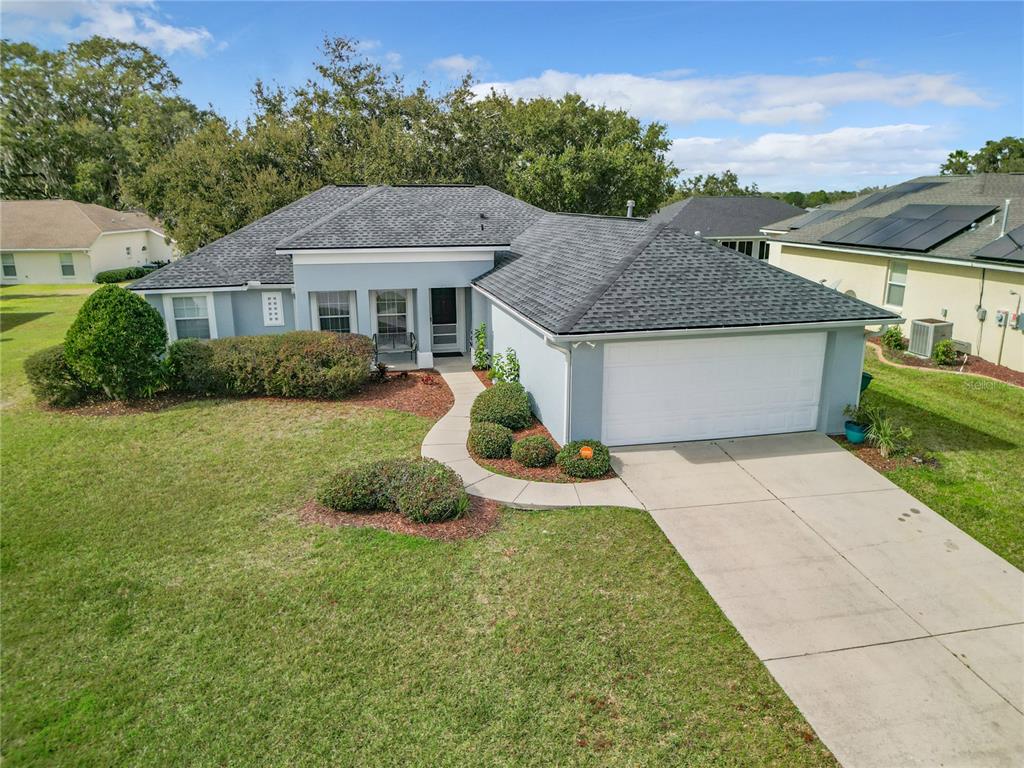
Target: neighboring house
[
  {"x": 942, "y": 247},
  {"x": 732, "y": 222},
  {"x": 61, "y": 241},
  {"x": 627, "y": 331}
]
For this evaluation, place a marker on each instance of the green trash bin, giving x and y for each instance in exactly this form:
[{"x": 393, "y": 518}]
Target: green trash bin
[{"x": 865, "y": 381}]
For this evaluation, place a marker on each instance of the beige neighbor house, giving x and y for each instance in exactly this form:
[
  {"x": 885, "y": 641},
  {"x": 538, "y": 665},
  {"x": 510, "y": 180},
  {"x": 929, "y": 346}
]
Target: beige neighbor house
[
  {"x": 947, "y": 248},
  {"x": 61, "y": 241}
]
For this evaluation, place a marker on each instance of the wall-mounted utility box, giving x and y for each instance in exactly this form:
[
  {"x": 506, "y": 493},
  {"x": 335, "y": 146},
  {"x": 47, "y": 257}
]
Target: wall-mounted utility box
[{"x": 926, "y": 333}]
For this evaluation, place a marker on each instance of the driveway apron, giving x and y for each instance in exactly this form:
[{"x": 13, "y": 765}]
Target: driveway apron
[{"x": 899, "y": 637}]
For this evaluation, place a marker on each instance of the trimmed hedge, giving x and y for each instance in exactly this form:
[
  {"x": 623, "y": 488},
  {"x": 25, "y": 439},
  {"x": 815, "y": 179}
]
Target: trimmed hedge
[
  {"x": 120, "y": 275},
  {"x": 421, "y": 490},
  {"x": 53, "y": 381},
  {"x": 534, "y": 451},
  {"x": 574, "y": 465},
  {"x": 115, "y": 344},
  {"x": 505, "y": 403},
  {"x": 490, "y": 441},
  {"x": 315, "y": 364}
]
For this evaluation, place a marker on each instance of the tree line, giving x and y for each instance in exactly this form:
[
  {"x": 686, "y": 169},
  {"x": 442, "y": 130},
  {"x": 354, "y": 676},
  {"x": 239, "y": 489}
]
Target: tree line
[{"x": 102, "y": 121}]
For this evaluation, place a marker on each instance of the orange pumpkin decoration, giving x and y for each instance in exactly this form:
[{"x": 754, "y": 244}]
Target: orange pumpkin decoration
[{"x": 586, "y": 452}]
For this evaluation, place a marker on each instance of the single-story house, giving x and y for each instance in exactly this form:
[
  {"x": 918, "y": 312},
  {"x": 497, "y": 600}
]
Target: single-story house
[
  {"x": 626, "y": 330},
  {"x": 731, "y": 221},
  {"x": 944, "y": 248},
  {"x": 63, "y": 241}
]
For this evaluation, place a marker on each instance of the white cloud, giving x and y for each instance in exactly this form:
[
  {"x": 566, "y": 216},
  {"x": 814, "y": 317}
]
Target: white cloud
[
  {"x": 457, "y": 65},
  {"x": 850, "y": 157},
  {"x": 773, "y": 99},
  {"x": 136, "y": 21}
]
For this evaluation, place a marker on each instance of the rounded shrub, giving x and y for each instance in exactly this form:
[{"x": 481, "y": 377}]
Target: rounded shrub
[
  {"x": 505, "y": 403},
  {"x": 944, "y": 352},
  {"x": 490, "y": 441},
  {"x": 574, "y": 465},
  {"x": 533, "y": 451},
  {"x": 892, "y": 338},
  {"x": 52, "y": 380},
  {"x": 190, "y": 368},
  {"x": 115, "y": 343},
  {"x": 430, "y": 492},
  {"x": 355, "y": 489}
]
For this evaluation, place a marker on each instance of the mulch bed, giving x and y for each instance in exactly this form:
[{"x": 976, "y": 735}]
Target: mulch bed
[
  {"x": 549, "y": 474},
  {"x": 971, "y": 364},
  {"x": 421, "y": 392},
  {"x": 483, "y": 517},
  {"x": 482, "y": 375},
  {"x": 871, "y": 456}
]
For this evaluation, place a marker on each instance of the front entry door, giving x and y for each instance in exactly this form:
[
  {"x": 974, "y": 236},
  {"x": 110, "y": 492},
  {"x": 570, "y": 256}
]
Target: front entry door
[{"x": 444, "y": 319}]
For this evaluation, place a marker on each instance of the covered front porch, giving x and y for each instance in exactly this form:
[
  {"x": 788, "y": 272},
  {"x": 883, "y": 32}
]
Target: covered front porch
[{"x": 408, "y": 326}]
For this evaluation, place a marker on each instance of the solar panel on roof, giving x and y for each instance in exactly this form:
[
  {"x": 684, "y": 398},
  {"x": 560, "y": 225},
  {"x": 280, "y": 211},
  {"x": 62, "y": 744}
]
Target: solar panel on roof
[
  {"x": 813, "y": 217},
  {"x": 894, "y": 193},
  {"x": 915, "y": 230},
  {"x": 968, "y": 213},
  {"x": 914, "y": 227},
  {"x": 933, "y": 237},
  {"x": 847, "y": 230},
  {"x": 1009, "y": 247},
  {"x": 893, "y": 228}
]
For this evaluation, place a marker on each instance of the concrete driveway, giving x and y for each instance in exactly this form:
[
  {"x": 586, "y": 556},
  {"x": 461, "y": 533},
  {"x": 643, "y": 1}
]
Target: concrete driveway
[{"x": 899, "y": 637}]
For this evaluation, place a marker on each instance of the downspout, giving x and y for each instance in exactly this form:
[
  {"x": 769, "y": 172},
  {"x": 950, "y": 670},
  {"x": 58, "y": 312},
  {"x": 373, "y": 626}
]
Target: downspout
[
  {"x": 977, "y": 310},
  {"x": 567, "y": 351}
]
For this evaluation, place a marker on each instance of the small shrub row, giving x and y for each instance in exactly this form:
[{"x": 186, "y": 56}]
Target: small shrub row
[
  {"x": 945, "y": 352},
  {"x": 490, "y": 441},
  {"x": 120, "y": 275},
  {"x": 573, "y": 464},
  {"x": 313, "y": 364},
  {"x": 421, "y": 490},
  {"x": 892, "y": 338},
  {"x": 505, "y": 403},
  {"x": 533, "y": 451}
]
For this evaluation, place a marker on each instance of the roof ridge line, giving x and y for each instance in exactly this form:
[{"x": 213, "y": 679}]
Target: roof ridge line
[
  {"x": 603, "y": 287},
  {"x": 370, "y": 192},
  {"x": 78, "y": 209}
]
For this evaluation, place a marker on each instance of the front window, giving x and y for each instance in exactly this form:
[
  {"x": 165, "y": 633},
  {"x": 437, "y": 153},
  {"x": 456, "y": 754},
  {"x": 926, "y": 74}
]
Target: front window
[
  {"x": 191, "y": 320},
  {"x": 897, "y": 285},
  {"x": 392, "y": 319},
  {"x": 67, "y": 265},
  {"x": 745, "y": 247},
  {"x": 763, "y": 250},
  {"x": 8, "y": 264},
  {"x": 333, "y": 312}
]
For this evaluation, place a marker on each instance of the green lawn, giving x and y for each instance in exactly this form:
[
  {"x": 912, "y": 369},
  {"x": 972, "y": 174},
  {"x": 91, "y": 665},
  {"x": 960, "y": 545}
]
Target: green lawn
[
  {"x": 975, "y": 427},
  {"x": 162, "y": 606}
]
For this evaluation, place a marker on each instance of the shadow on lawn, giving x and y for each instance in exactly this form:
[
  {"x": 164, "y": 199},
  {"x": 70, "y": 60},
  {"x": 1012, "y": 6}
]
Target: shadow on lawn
[
  {"x": 9, "y": 320},
  {"x": 935, "y": 432}
]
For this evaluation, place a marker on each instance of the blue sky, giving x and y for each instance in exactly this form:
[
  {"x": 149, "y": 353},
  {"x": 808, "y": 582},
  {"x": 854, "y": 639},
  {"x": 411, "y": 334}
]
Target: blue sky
[{"x": 789, "y": 95}]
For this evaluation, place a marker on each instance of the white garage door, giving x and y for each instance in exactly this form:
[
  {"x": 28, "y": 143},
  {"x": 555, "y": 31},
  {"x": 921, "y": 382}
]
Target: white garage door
[{"x": 699, "y": 389}]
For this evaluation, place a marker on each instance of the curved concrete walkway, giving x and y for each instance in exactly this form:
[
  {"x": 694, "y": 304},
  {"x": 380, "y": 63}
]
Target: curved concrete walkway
[{"x": 446, "y": 442}]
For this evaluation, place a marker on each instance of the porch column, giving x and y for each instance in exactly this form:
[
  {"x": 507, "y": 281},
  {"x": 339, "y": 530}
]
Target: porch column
[
  {"x": 424, "y": 355},
  {"x": 362, "y": 323},
  {"x": 300, "y": 302}
]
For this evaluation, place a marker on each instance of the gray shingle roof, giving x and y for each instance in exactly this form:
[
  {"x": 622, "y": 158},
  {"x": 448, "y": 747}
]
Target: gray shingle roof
[
  {"x": 424, "y": 217},
  {"x": 739, "y": 216},
  {"x": 349, "y": 217},
  {"x": 991, "y": 189},
  {"x": 580, "y": 274}
]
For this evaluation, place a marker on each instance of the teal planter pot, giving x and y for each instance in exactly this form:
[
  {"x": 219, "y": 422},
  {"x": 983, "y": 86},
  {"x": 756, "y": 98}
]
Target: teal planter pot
[
  {"x": 855, "y": 433},
  {"x": 865, "y": 381}
]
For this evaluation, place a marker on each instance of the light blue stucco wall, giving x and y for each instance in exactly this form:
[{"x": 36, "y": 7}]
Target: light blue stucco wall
[
  {"x": 840, "y": 386},
  {"x": 363, "y": 278},
  {"x": 247, "y": 313},
  {"x": 543, "y": 369}
]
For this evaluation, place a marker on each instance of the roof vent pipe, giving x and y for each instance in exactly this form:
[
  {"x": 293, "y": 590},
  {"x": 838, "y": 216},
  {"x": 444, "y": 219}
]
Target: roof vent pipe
[
  {"x": 1006, "y": 212},
  {"x": 630, "y": 204}
]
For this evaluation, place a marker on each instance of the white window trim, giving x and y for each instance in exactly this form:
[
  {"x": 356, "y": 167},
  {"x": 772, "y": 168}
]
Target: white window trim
[
  {"x": 60, "y": 265},
  {"x": 889, "y": 282},
  {"x": 172, "y": 328},
  {"x": 314, "y": 311},
  {"x": 14, "y": 263},
  {"x": 410, "y": 310},
  {"x": 264, "y": 296}
]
